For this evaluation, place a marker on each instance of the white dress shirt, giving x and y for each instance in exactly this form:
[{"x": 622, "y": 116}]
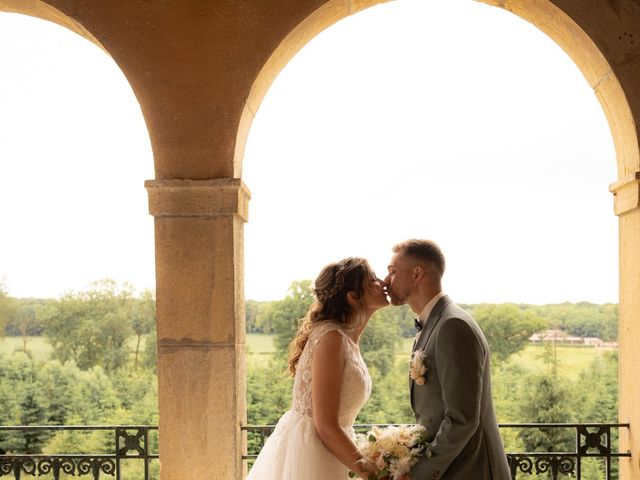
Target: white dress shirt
[{"x": 426, "y": 311}]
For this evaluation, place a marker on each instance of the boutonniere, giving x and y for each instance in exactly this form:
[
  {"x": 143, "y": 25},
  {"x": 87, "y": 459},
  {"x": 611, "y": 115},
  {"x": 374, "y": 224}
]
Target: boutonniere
[{"x": 417, "y": 368}]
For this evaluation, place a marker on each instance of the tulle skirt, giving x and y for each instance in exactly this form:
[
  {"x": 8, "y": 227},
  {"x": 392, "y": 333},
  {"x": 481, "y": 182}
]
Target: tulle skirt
[{"x": 294, "y": 452}]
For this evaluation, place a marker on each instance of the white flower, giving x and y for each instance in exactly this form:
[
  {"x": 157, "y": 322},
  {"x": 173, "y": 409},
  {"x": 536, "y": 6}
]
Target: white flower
[{"x": 417, "y": 368}]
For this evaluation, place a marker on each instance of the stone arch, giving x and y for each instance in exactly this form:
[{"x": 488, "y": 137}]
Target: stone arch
[
  {"x": 543, "y": 14},
  {"x": 39, "y": 9}
]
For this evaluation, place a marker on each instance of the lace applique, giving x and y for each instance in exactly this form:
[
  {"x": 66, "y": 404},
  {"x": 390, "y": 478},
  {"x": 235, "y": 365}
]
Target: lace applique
[{"x": 356, "y": 383}]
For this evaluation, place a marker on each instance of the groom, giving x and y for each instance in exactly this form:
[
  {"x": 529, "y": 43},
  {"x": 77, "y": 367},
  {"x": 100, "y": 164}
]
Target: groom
[{"x": 450, "y": 375}]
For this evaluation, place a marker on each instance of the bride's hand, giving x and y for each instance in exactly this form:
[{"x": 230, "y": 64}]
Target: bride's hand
[
  {"x": 370, "y": 471},
  {"x": 367, "y": 474}
]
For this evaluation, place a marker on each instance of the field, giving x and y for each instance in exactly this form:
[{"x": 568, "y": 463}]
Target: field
[
  {"x": 39, "y": 348},
  {"x": 572, "y": 359},
  {"x": 260, "y": 344},
  {"x": 36, "y": 346}
]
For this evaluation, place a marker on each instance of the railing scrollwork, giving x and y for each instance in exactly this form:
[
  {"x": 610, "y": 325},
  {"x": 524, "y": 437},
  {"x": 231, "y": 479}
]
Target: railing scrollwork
[{"x": 130, "y": 442}]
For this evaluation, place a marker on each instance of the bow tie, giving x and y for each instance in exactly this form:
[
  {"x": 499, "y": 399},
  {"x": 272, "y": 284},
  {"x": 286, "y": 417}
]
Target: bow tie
[{"x": 417, "y": 324}]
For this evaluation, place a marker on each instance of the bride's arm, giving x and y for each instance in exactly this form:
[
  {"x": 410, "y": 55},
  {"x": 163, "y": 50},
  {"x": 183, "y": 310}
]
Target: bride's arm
[{"x": 327, "y": 370}]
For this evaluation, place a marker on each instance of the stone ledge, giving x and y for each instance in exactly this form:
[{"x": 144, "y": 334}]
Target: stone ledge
[
  {"x": 198, "y": 198},
  {"x": 168, "y": 345},
  {"x": 626, "y": 194}
]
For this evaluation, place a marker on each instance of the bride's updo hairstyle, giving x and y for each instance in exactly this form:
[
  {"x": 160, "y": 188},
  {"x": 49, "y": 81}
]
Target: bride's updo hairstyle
[{"x": 331, "y": 305}]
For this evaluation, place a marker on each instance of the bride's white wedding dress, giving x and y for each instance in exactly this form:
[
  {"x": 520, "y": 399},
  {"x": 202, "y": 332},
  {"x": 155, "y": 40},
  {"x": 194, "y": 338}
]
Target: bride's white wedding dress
[{"x": 294, "y": 451}]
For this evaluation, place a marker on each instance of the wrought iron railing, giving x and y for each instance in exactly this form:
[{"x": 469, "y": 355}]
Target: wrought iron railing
[
  {"x": 129, "y": 442},
  {"x": 592, "y": 440},
  {"x": 132, "y": 442}
]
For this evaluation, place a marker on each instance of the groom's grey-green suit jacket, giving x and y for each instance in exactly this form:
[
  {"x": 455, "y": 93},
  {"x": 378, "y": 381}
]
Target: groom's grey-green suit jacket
[{"x": 455, "y": 403}]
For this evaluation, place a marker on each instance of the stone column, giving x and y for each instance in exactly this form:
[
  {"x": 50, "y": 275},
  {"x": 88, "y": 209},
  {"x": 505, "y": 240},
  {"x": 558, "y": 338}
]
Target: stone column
[
  {"x": 627, "y": 207},
  {"x": 201, "y": 326}
]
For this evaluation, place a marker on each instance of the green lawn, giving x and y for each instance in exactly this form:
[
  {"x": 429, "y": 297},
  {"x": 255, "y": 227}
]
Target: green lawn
[
  {"x": 571, "y": 359},
  {"x": 41, "y": 350},
  {"x": 36, "y": 346},
  {"x": 259, "y": 347},
  {"x": 260, "y": 343}
]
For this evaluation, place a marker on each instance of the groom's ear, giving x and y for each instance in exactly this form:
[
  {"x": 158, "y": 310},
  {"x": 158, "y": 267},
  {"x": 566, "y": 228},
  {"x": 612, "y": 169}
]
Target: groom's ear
[{"x": 418, "y": 273}]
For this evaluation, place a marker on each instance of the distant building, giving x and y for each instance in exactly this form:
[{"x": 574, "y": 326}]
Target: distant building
[
  {"x": 555, "y": 335},
  {"x": 562, "y": 337},
  {"x": 593, "y": 342}
]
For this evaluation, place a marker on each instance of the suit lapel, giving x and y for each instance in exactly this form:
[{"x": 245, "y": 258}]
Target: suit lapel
[
  {"x": 432, "y": 321},
  {"x": 423, "y": 338}
]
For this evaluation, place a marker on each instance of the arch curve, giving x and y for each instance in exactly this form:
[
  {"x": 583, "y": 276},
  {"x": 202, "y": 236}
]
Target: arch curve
[
  {"x": 44, "y": 11},
  {"x": 543, "y": 14}
]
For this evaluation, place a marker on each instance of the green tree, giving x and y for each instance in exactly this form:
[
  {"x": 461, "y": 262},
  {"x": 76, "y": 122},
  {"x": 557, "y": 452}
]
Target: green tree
[
  {"x": 56, "y": 382},
  {"x": 582, "y": 319},
  {"x": 285, "y": 315},
  {"x": 402, "y": 317},
  {"x": 32, "y": 412},
  {"x": 506, "y": 327},
  {"x": 22, "y": 403},
  {"x": 549, "y": 400},
  {"x": 28, "y": 317},
  {"x": 598, "y": 390},
  {"x": 142, "y": 312},
  {"x": 379, "y": 341},
  {"x": 268, "y": 391},
  {"x": 92, "y": 327},
  {"x": 7, "y": 307},
  {"x": 150, "y": 353},
  {"x": 250, "y": 314},
  {"x": 389, "y": 401},
  {"x": 256, "y": 321}
]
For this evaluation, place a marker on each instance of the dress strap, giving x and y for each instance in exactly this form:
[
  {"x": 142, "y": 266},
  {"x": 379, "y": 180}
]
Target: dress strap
[{"x": 324, "y": 328}]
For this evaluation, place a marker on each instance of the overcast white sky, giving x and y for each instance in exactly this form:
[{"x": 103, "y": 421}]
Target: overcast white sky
[{"x": 449, "y": 120}]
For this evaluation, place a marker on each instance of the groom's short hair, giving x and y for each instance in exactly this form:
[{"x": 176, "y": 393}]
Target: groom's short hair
[{"x": 426, "y": 251}]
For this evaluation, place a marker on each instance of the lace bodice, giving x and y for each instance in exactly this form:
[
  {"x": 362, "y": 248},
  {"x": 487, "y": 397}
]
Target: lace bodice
[{"x": 356, "y": 382}]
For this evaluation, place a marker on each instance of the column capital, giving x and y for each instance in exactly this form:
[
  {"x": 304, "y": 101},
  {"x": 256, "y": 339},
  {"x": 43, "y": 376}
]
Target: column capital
[
  {"x": 198, "y": 198},
  {"x": 626, "y": 194}
]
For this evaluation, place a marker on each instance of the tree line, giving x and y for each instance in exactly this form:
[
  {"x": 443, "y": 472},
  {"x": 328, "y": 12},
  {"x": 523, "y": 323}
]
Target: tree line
[
  {"x": 93, "y": 327},
  {"x": 507, "y": 326}
]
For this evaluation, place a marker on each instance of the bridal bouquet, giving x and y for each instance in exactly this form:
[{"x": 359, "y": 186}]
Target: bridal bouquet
[{"x": 392, "y": 450}]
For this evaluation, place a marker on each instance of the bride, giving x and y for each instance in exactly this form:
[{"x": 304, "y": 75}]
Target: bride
[{"x": 314, "y": 440}]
